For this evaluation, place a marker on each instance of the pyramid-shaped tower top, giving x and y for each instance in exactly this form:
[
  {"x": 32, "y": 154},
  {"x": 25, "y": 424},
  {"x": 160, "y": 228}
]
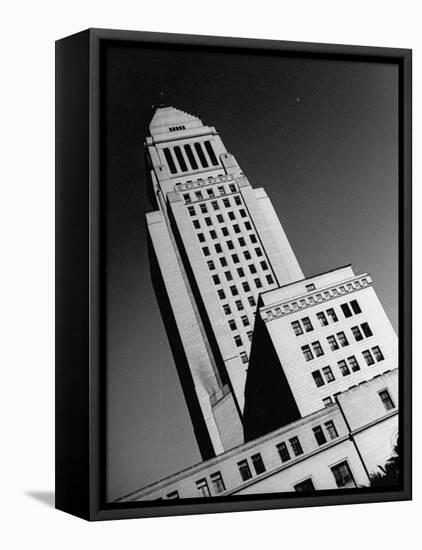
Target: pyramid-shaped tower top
[{"x": 170, "y": 119}]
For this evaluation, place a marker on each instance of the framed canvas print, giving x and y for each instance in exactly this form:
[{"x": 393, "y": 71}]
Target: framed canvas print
[{"x": 233, "y": 274}]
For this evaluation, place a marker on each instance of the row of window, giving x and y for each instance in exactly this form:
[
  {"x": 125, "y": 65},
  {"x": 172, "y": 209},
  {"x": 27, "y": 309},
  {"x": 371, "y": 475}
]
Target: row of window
[
  {"x": 203, "y": 208},
  {"x": 346, "y": 366},
  {"x": 229, "y": 243},
  {"x": 305, "y": 325},
  {"x": 177, "y": 128},
  {"x": 335, "y": 341},
  {"x": 384, "y": 395},
  {"x": 211, "y": 193},
  {"x": 183, "y": 158},
  {"x": 238, "y": 340},
  {"x": 235, "y": 257},
  {"x": 233, "y": 289},
  {"x": 240, "y": 271},
  {"x": 342, "y": 475}
]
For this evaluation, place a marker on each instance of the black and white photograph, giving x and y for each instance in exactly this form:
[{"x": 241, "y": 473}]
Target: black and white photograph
[{"x": 251, "y": 274}]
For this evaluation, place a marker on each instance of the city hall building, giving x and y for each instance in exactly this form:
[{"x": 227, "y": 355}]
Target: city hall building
[{"x": 290, "y": 382}]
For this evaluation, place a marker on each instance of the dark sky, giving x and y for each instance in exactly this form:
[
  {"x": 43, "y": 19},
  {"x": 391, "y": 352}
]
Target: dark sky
[{"x": 319, "y": 136}]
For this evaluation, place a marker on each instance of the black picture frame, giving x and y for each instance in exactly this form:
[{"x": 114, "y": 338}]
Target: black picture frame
[{"x": 80, "y": 391}]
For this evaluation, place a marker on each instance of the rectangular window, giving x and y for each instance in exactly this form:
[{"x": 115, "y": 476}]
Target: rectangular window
[
  {"x": 246, "y": 287},
  {"x": 378, "y": 354},
  {"x": 270, "y": 279},
  {"x": 244, "y": 357},
  {"x": 328, "y": 373},
  {"x": 191, "y": 211},
  {"x": 332, "y": 315},
  {"x": 307, "y": 352},
  {"x": 241, "y": 241},
  {"x": 217, "y": 483},
  {"x": 198, "y": 195},
  {"x": 319, "y": 435},
  {"x": 258, "y": 463},
  {"x": 366, "y": 330},
  {"x": 238, "y": 341},
  {"x": 343, "y": 475},
  {"x": 231, "y": 215},
  {"x": 214, "y": 204},
  {"x": 247, "y": 255},
  {"x": 203, "y": 489},
  {"x": 355, "y": 307},
  {"x": 228, "y": 275},
  {"x": 226, "y": 309},
  {"x": 216, "y": 279},
  {"x": 232, "y": 188},
  {"x": 186, "y": 196},
  {"x": 211, "y": 153},
  {"x": 213, "y": 234},
  {"x": 236, "y": 228},
  {"x": 296, "y": 446},
  {"x": 169, "y": 159},
  {"x": 258, "y": 251},
  {"x": 307, "y": 324},
  {"x": 333, "y": 343},
  {"x": 218, "y": 248},
  {"x": 249, "y": 335},
  {"x": 346, "y": 310},
  {"x": 304, "y": 486},
  {"x": 237, "y": 200},
  {"x": 173, "y": 494},
  {"x": 327, "y": 401},
  {"x": 386, "y": 400},
  {"x": 248, "y": 226},
  {"x": 251, "y": 301},
  {"x": 221, "y": 190},
  {"x": 331, "y": 429},
  {"x": 201, "y": 155},
  {"x": 283, "y": 451},
  {"x": 235, "y": 258},
  {"x": 223, "y": 261},
  {"x": 232, "y": 324},
  {"x": 357, "y": 334},
  {"x": 201, "y": 237},
  {"x": 210, "y": 193},
  {"x": 367, "y": 355},
  {"x": 297, "y": 328},
  {"x": 211, "y": 265},
  {"x": 220, "y": 218},
  {"x": 253, "y": 238},
  {"x": 317, "y": 349},
  {"x": 242, "y": 212},
  {"x": 230, "y": 245},
  {"x": 196, "y": 224},
  {"x": 240, "y": 272},
  {"x": 319, "y": 381},
  {"x": 239, "y": 305},
  {"x": 221, "y": 294},
  {"x": 322, "y": 319},
  {"x": 245, "y": 320},
  {"x": 245, "y": 471},
  {"x": 206, "y": 251},
  {"x": 353, "y": 364},
  {"x": 234, "y": 290},
  {"x": 203, "y": 208},
  {"x": 226, "y": 203},
  {"x": 252, "y": 269},
  {"x": 344, "y": 369},
  {"x": 258, "y": 283},
  {"x": 342, "y": 339},
  {"x": 264, "y": 265}
]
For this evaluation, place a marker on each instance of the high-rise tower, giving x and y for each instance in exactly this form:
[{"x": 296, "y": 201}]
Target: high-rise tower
[{"x": 215, "y": 244}]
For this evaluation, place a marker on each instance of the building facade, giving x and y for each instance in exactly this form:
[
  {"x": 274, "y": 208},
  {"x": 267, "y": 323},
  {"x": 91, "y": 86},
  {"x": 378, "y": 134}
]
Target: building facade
[
  {"x": 338, "y": 447},
  {"x": 215, "y": 244}
]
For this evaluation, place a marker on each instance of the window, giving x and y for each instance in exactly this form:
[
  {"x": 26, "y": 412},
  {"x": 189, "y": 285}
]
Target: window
[
  {"x": 221, "y": 190},
  {"x": 213, "y": 234},
  {"x": 357, "y": 334},
  {"x": 190, "y": 156},
  {"x": 307, "y": 324},
  {"x": 258, "y": 283},
  {"x": 317, "y": 349},
  {"x": 221, "y": 294},
  {"x": 307, "y": 353},
  {"x": 214, "y": 204},
  {"x": 332, "y": 315},
  {"x": 217, "y": 483},
  {"x": 367, "y": 355},
  {"x": 203, "y": 208},
  {"x": 296, "y": 446},
  {"x": 231, "y": 215},
  {"x": 239, "y": 305},
  {"x": 226, "y": 309},
  {"x": 230, "y": 245},
  {"x": 223, "y": 261},
  {"x": 216, "y": 279},
  {"x": 264, "y": 265},
  {"x": 235, "y": 258},
  {"x": 169, "y": 159},
  {"x": 333, "y": 343},
  {"x": 305, "y": 485},
  {"x": 186, "y": 196},
  {"x": 378, "y": 354},
  {"x": 234, "y": 290},
  {"x": 328, "y": 373},
  {"x": 240, "y": 272},
  {"x": 201, "y": 155},
  {"x": 173, "y": 494},
  {"x": 198, "y": 195},
  {"x": 238, "y": 341},
  {"x": 246, "y": 287},
  {"x": 366, "y": 330},
  {"x": 244, "y": 357},
  {"x": 196, "y": 224},
  {"x": 343, "y": 475},
  {"x": 244, "y": 470},
  {"x": 211, "y": 153},
  {"x": 258, "y": 251},
  {"x": 297, "y": 328},
  {"x": 355, "y": 307},
  {"x": 327, "y": 401},
  {"x": 203, "y": 488},
  {"x": 252, "y": 269},
  {"x": 245, "y": 320},
  {"x": 237, "y": 200},
  {"x": 232, "y": 188},
  {"x": 253, "y": 238},
  {"x": 206, "y": 251},
  {"x": 249, "y": 335},
  {"x": 191, "y": 211},
  {"x": 201, "y": 237},
  {"x": 232, "y": 324},
  {"x": 353, "y": 364},
  {"x": 344, "y": 369},
  {"x": 319, "y": 381},
  {"x": 218, "y": 248},
  {"x": 226, "y": 203},
  {"x": 346, "y": 310},
  {"x": 247, "y": 255},
  {"x": 242, "y": 212},
  {"x": 331, "y": 429},
  {"x": 242, "y": 241},
  {"x": 248, "y": 226},
  {"x": 228, "y": 275},
  {"x": 386, "y": 400},
  {"x": 211, "y": 265},
  {"x": 322, "y": 319},
  {"x": 342, "y": 339},
  {"x": 270, "y": 279},
  {"x": 258, "y": 463},
  {"x": 251, "y": 301},
  {"x": 220, "y": 218},
  {"x": 319, "y": 435},
  {"x": 236, "y": 228},
  {"x": 310, "y": 287},
  {"x": 283, "y": 451}
]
